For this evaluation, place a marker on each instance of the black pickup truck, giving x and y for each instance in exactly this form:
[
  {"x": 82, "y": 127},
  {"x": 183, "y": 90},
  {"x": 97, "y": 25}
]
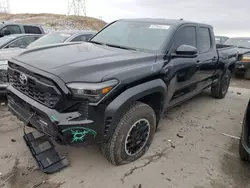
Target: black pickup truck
[{"x": 113, "y": 89}]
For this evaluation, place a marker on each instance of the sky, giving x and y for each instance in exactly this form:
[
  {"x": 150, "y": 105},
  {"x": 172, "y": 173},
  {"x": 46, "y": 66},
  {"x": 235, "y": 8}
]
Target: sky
[{"x": 228, "y": 17}]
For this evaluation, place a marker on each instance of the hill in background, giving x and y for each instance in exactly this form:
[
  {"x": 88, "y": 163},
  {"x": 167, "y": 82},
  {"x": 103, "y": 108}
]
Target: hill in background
[{"x": 53, "y": 22}]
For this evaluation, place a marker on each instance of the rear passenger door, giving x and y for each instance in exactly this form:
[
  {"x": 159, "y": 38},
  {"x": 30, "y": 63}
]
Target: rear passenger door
[
  {"x": 183, "y": 69},
  {"x": 207, "y": 58}
]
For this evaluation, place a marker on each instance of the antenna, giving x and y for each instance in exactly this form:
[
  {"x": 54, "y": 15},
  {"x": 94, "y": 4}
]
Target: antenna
[
  {"x": 4, "y": 6},
  {"x": 76, "y": 7}
]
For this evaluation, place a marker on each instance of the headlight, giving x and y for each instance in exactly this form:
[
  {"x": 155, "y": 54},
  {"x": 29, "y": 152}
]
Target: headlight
[
  {"x": 92, "y": 91},
  {"x": 246, "y": 58}
]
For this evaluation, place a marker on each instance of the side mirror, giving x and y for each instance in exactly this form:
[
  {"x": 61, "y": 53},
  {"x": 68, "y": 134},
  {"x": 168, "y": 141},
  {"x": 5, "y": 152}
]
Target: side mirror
[{"x": 186, "y": 50}]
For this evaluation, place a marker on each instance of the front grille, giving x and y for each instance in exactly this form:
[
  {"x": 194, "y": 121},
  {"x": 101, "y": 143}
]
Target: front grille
[{"x": 34, "y": 87}]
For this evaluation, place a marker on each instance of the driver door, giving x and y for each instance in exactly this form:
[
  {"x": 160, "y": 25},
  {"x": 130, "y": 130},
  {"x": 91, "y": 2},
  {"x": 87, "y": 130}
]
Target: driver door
[{"x": 182, "y": 75}]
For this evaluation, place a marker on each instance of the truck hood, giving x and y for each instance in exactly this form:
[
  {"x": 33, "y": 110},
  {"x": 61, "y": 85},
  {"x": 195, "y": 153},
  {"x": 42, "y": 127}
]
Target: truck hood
[{"x": 88, "y": 62}]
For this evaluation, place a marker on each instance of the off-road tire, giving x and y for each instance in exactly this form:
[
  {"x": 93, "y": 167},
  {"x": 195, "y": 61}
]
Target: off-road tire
[
  {"x": 114, "y": 149},
  {"x": 244, "y": 156},
  {"x": 247, "y": 74},
  {"x": 218, "y": 91}
]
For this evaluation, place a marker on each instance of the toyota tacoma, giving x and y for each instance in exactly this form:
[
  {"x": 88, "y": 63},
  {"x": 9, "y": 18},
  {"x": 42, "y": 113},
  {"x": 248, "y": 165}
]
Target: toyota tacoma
[{"x": 113, "y": 89}]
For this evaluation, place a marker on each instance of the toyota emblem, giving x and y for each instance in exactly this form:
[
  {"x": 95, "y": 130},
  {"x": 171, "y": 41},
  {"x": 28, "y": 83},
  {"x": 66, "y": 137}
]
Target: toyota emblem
[{"x": 23, "y": 79}]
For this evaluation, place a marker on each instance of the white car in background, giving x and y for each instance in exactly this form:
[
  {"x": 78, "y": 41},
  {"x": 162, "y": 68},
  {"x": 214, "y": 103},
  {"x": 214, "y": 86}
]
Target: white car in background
[{"x": 48, "y": 39}]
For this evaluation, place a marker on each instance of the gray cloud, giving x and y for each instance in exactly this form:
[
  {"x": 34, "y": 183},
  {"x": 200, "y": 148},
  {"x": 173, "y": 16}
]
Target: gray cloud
[
  {"x": 230, "y": 17},
  {"x": 227, "y": 16}
]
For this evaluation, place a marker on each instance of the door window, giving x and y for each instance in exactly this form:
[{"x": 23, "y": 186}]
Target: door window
[
  {"x": 185, "y": 35},
  {"x": 204, "y": 40},
  {"x": 14, "y": 29}
]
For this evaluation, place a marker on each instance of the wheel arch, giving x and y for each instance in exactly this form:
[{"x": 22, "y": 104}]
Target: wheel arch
[{"x": 147, "y": 93}]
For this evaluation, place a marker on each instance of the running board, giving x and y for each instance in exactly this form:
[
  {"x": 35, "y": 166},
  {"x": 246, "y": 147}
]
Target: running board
[{"x": 43, "y": 151}]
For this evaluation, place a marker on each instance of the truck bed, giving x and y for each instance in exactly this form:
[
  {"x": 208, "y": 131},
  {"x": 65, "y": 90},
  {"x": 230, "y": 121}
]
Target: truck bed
[
  {"x": 227, "y": 51},
  {"x": 224, "y": 46}
]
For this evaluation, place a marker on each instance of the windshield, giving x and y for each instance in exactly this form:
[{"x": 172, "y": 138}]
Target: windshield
[
  {"x": 6, "y": 39},
  {"x": 51, "y": 38},
  {"x": 137, "y": 35},
  {"x": 240, "y": 42}
]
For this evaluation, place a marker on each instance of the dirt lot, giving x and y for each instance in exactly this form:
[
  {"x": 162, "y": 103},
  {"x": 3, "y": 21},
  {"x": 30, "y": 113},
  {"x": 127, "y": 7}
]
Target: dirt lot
[{"x": 199, "y": 157}]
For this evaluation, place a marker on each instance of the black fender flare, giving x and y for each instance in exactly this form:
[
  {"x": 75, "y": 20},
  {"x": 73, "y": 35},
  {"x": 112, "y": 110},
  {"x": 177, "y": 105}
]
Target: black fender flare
[{"x": 116, "y": 108}]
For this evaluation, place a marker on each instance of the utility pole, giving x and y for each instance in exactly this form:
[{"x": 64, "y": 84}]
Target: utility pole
[
  {"x": 4, "y": 6},
  {"x": 76, "y": 7}
]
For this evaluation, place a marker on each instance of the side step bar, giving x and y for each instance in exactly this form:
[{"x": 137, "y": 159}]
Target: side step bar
[{"x": 43, "y": 151}]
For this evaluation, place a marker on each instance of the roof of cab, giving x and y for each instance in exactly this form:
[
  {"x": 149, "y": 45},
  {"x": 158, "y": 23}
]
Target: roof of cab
[
  {"x": 74, "y": 31},
  {"x": 24, "y": 34},
  {"x": 175, "y": 22}
]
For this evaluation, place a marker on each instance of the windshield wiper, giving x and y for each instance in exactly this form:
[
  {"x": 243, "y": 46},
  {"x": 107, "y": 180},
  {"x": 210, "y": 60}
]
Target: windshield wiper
[
  {"x": 121, "y": 47},
  {"x": 95, "y": 42}
]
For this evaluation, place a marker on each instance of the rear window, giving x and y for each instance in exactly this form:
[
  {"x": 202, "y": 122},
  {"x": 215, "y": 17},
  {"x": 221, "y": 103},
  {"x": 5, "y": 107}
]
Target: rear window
[
  {"x": 51, "y": 38},
  {"x": 32, "y": 29},
  {"x": 84, "y": 38}
]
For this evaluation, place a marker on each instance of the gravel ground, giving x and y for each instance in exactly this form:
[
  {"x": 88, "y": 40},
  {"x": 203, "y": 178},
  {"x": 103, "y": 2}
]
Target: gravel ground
[{"x": 189, "y": 150}]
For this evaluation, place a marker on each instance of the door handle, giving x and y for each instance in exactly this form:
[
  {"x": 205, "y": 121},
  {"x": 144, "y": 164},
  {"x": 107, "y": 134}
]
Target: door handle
[{"x": 198, "y": 61}]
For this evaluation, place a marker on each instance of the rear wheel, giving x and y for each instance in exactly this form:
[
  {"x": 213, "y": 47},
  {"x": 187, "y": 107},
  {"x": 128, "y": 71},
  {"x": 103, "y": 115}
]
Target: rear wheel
[
  {"x": 247, "y": 74},
  {"x": 132, "y": 136},
  {"x": 244, "y": 156},
  {"x": 220, "y": 89}
]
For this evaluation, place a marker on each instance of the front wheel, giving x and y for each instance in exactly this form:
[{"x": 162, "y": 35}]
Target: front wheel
[
  {"x": 220, "y": 89},
  {"x": 244, "y": 156},
  {"x": 132, "y": 136}
]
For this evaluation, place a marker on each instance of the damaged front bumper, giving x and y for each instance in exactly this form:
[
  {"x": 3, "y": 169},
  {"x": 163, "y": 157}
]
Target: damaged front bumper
[{"x": 62, "y": 127}]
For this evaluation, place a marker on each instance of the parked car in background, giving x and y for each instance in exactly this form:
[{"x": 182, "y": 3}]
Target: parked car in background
[
  {"x": 14, "y": 28},
  {"x": 18, "y": 40},
  {"x": 63, "y": 37},
  {"x": 242, "y": 66},
  {"x": 113, "y": 89},
  {"x": 48, "y": 39},
  {"x": 221, "y": 39}
]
